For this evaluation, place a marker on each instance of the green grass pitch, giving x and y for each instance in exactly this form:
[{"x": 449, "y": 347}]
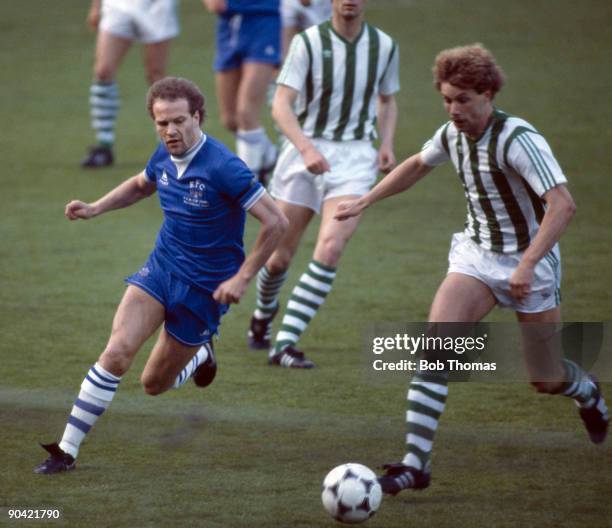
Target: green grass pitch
[{"x": 252, "y": 449}]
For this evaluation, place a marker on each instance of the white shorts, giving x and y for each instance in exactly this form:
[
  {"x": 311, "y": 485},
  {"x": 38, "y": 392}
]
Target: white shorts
[
  {"x": 354, "y": 166},
  {"x": 495, "y": 270},
  {"x": 145, "y": 21},
  {"x": 295, "y": 14}
]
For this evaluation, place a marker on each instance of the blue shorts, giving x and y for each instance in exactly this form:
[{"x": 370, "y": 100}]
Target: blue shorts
[
  {"x": 192, "y": 315},
  {"x": 248, "y": 37}
]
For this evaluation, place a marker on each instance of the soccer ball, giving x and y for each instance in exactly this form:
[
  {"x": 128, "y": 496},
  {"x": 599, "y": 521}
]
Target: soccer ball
[{"x": 351, "y": 493}]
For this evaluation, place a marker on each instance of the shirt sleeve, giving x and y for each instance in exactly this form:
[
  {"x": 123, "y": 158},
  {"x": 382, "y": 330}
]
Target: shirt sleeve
[
  {"x": 435, "y": 151},
  {"x": 389, "y": 82},
  {"x": 150, "y": 169},
  {"x": 296, "y": 66},
  {"x": 531, "y": 157},
  {"x": 239, "y": 184}
]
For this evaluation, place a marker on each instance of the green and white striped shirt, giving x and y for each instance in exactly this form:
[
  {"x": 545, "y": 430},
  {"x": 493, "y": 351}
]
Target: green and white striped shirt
[
  {"x": 504, "y": 173},
  {"x": 338, "y": 81}
]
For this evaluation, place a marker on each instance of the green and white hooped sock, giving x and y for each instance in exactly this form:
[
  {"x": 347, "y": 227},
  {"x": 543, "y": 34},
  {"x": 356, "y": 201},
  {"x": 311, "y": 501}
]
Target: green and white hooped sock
[
  {"x": 104, "y": 107},
  {"x": 268, "y": 289},
  {"x": 426, "y": 401},
  {"x": 306, "y": 298}
]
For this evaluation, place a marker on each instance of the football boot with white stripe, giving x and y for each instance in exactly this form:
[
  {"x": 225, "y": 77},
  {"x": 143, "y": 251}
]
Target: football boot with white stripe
[
  {"x": 596, "y": 418},
  {"x": 290, "y": 357},
  {"x": 399, "y": 477},
  {"x": 204, "y": 375}
]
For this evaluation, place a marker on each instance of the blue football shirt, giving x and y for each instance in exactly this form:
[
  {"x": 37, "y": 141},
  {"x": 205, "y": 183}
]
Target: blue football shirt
[{"x": 204, "y": 196}]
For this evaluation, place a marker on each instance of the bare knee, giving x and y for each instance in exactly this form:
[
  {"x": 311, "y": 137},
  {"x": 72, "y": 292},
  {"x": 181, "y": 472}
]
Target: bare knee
[
  {"x": 104, "y": 72},
  {"x": 329, "y": 250},
  {"x": 229, "y": 121},
  {"x": 247, "y": 117},
  {"x": 279, "y": 262},
  {"x": 547, "y": 387},
  {"x": 152, "y": 384},
  {"x": 117, "y": 357}
]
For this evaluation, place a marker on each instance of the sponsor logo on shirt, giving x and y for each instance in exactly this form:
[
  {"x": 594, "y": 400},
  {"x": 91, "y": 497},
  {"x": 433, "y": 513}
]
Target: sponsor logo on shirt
[{"x": 197, "y": 193}]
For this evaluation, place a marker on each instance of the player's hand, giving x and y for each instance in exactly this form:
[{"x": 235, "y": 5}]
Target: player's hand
[
  {"x": 386, "y": 159},
  {"x": 216, "y": 6},
  {"x": 520, "y": 281},
  {"x": 314, "y": 161},
  {"x": 231, "y": 291},
  {"x": 349, "y": 208},
  {"x": 77, "y": 209},
  {"x": 93, "y": 17},
  {"x": 305, "y": 3}
]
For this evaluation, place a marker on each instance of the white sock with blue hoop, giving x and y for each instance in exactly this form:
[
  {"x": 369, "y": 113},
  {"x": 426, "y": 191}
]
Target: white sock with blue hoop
[
  {"x": 97, "y": 391},
  {"x": 200, "y": 356}
]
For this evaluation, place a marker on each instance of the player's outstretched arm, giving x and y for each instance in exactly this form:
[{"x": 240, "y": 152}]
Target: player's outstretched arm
[
  {"x": 129, "y": 192},
  {"x": 560, "y": 208},
  {"x": 386, "y": 111},
  {"x": 284, "y": 115},
  {"x": 274, "y": 225},
  {"x": 93, "y": 16},
  {"x": 401, "y": 178}
]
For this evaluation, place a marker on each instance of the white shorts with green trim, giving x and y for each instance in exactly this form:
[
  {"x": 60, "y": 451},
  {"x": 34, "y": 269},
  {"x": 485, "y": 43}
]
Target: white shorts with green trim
[
  {"x": 354, "y": 167},
  {"x": 495, "y": 270}
]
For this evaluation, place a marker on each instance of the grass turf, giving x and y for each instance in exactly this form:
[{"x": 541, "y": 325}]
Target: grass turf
[{"x": 252, "y": 449}]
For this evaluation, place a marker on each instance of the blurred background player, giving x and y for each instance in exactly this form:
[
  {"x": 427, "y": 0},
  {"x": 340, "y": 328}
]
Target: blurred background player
[
  {"x": 119, "y": 23},
  {"x": 337, "y": 83},
  {"x": 298, "y": 15},
  {"x": 248, "y": 53},
  {"x": 196, "y": 269},
  {"x": 508, "y": 255}
]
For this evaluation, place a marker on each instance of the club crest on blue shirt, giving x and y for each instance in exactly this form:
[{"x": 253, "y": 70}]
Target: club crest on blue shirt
[
  {"x": 164, "y": 179},
  {"x": 197, "y": 193}
]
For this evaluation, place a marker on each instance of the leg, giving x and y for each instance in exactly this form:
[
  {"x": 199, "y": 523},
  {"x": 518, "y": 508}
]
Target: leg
[
  {"x": 137, "y": 318},
  {"x": 104, "y": 97},
  {"x": 460, "y": 298},
  {"x": 333, "y": 234},
  {"x": 110, "y": 52},
  {"x": 252, "y": 91},
  {"x": 156, "y": 60},
  {"x": 252, "y": 142},
  {"x": 314, "y": 285},
  {"x": 541, "y": 335},
  {"x": 227, "y": 83},
  {"x": 272, "y": 276},
  {"x": 168, "y": 358},
  {"x": 550, "y": 373}
]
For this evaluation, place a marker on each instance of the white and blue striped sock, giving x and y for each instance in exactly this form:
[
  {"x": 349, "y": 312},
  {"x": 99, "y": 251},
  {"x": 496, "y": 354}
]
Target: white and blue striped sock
[
  {"x": 200, "y": 356},
  {"x": 97, "y": 392}
]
